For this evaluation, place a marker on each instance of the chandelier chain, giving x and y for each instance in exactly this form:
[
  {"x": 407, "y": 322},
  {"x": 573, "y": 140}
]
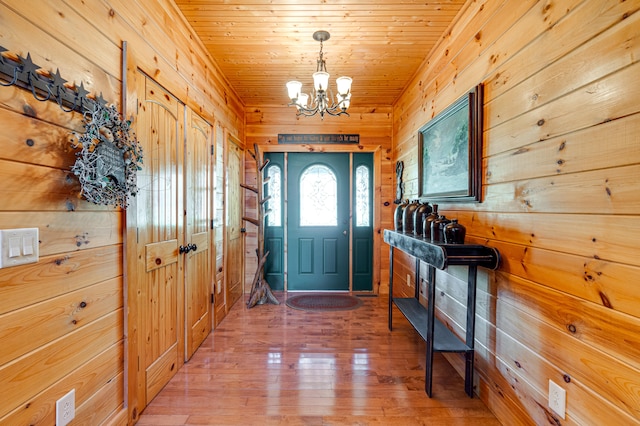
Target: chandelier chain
[{"x": 321, "y": 66}]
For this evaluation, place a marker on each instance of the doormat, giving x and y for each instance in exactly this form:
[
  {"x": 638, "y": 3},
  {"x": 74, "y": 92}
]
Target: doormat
[{"x": 323, "y": 302}]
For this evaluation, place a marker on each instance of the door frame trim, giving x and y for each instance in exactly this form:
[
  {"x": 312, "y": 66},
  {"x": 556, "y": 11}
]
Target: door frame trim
[{"x": 376, "y": 150}]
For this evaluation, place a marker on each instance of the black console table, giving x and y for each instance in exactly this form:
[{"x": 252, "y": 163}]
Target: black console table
[{"x": 436, "y": 335}]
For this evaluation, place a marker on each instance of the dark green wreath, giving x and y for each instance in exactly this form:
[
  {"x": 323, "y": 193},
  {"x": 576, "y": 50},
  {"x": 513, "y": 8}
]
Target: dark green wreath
[{"x": 99, "y": 185}]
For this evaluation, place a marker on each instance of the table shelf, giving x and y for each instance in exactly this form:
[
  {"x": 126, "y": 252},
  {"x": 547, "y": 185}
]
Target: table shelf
[{"x": 444, "y": 339}]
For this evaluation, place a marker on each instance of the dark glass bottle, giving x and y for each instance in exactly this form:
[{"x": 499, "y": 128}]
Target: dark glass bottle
[
  {"x": 454, "y": 232},
  {"x": 421, "y": 212},
  {"x": 437, "y": 227},
  {"x": 426, "y": 222},
  {"x": 407, "y": 217},
  {"x": 399, "y": 213}
]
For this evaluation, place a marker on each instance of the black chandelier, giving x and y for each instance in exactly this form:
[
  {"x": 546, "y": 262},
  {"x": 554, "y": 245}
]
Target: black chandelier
[{"x": 321, "y": 98}]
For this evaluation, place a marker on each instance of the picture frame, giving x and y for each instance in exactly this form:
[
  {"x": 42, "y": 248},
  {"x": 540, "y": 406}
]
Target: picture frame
[{"x": 450, "y": 152}]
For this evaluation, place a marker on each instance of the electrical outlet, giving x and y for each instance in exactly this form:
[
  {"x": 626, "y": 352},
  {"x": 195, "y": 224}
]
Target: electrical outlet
[
  {"x": 66, "y": 408},
  {"x": 557, "y": 399},
  {"x": 409, "y": 280}
]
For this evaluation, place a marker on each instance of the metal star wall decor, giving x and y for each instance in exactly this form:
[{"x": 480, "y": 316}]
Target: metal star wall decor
[
  {"x": 108, "y": 156},
  {"x": 45, "y": 85}
]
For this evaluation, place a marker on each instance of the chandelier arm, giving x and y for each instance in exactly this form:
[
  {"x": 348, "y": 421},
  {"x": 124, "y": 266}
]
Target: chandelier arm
[
  {"x": 307, "y": 112},
  {"x": 334, "y": 108},
  {"x": 332, "y": 111},
  {"x": 311, "y": 112}
]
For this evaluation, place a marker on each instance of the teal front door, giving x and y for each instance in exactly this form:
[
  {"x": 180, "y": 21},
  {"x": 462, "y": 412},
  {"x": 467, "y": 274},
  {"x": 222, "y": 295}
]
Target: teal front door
[
  {"x": 318, "y": 193},
  {"x": 310, "y": 238}
]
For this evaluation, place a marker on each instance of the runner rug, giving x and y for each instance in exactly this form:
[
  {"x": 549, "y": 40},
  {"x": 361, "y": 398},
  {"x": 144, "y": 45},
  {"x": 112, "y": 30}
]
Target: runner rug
[{"x": 323, "y": 302}]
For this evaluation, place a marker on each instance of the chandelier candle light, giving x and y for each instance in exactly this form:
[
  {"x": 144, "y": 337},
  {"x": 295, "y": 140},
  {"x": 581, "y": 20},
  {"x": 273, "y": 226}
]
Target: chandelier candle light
[{"x": 321, "y": 97}]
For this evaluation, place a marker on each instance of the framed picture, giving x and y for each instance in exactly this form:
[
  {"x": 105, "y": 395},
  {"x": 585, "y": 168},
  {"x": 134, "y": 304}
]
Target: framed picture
[{"x": 450, "y": 159}]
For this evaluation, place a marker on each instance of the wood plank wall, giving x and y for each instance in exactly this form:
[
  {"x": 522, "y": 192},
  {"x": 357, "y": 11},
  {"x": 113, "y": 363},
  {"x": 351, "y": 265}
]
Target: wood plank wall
[
  {"x": 561, "y": 185},
  {"x": 50, "y": 342},
  {"x": 373, "y": 124}
]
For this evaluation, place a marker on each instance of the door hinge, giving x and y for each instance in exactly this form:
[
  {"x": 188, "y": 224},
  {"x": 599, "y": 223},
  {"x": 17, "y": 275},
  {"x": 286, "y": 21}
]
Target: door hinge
[
  {"x": 212, "y": 298},
  {"x": 243, "y": 230},
  {"x": 212, "y": 150},
  {"x": 212, "y": 224}
]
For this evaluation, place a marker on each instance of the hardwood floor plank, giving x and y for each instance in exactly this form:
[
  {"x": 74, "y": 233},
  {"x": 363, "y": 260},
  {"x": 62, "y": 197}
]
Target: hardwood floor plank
[{"x": 274, "y": 365}]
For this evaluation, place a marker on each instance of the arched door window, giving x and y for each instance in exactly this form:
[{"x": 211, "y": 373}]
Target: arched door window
[
  {"x": 362, "y": 196},
  {"x": 318, "y": 197}
]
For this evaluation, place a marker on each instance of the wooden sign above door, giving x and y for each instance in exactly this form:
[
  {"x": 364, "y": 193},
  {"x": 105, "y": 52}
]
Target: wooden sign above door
[{"x": 319, "y": 138}]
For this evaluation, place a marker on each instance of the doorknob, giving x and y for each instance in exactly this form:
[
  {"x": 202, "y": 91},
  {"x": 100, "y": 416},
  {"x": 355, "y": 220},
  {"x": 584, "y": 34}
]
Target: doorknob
[
  {"x": 344, "y": 232},
  {"x": 187, "y": 248}
]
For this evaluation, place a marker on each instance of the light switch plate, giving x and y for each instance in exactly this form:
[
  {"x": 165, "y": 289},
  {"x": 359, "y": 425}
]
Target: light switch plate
[{"x": 18, "y": 246}]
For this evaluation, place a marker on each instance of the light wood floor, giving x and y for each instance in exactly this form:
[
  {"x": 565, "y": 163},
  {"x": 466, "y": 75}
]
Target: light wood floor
[{"x": 275, "y": 365}]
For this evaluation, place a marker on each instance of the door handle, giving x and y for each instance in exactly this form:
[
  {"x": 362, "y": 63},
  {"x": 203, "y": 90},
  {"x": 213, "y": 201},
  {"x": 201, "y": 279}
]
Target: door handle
[
  {"x": 344, "y": 232},
  {"x": 186, "y": 249}
]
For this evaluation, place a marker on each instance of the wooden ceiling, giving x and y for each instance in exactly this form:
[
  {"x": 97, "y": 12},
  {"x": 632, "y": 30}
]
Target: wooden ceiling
[{"x": 261, "y": 44}]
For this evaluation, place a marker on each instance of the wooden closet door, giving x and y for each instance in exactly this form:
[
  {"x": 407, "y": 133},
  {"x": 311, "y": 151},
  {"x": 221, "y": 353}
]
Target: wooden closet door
[
  {"x": 219, "y": 298},
  {"x": 234, "y": 250},
  {"x": 197, "y": 229},
  {"x": 160, "y": 285}
]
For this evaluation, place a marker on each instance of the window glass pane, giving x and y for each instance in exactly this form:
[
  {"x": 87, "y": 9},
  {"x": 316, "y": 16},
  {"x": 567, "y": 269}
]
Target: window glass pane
[
  {"x": 274, "y": 218},
  {"x": 218, "y": 211},
  {"x": 318, "y": 197},
  {"x": 362, "y": 196}
]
